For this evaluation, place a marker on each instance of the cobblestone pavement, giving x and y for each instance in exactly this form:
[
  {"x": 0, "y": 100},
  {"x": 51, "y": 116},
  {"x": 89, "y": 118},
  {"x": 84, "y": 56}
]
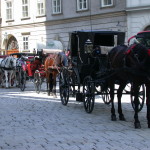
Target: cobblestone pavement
[{"x": 30, "y": 121}]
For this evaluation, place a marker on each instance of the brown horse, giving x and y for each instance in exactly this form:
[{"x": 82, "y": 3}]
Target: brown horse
[
  {"x": 130, "y": 64},
  {"x": 52, "y": 65}
]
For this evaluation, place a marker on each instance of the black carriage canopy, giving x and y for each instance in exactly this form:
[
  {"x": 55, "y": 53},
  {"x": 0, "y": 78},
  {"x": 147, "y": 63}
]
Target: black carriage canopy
[
  {"x": 18, "y": 55},
  {"x": 78, "y": 40}
]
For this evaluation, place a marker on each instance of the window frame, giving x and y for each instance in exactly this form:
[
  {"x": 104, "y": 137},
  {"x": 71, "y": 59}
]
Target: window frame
[
  {"x": 25, "y": 14},
  {"x": 56, "y": 7},
  {"x": 10, "y": 15},
  {"x": 25, "y": 42},
  {"x": 82, "y": 5},
  {"x": 107, "y": 5},
  {"x": 39, "y": 10}
]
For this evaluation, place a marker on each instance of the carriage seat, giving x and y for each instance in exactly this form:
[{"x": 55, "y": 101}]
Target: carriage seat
[{"x": 105, "y": 49}]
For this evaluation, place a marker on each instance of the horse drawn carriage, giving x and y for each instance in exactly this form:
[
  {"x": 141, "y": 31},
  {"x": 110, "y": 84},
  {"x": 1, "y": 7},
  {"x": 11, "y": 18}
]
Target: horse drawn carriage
[
  {"x": 52, "y": 60},
  {"x": 94, "y": 71},
  {"x": 26, "y": 64},
  {"x": 88, "y": 60}
]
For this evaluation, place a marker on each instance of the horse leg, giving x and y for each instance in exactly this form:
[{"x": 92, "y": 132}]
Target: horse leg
[
  {"x": 2, "y": 78},
  {"x": 136, "y": 101},
  {"x": 54, "y": 85},
  {"x": 48, "y": 90},
  {"x": 113, "y": 115},
  {"x": 119, "y": 95},
  {"x": 14, "y": 77},
  {"x": 11, "y": 78},
  {"x": 48, "y": 93},
  {"x": 51, "y": 83},
  {"x": 148, "y": 103},
  {"x": 6, "y": 78}
]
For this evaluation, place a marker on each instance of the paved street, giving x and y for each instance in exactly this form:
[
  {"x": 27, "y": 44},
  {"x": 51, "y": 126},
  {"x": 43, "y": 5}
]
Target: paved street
[{"x": 30, "y": 121}]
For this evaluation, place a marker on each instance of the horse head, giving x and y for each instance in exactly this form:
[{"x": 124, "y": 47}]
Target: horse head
[
  {"x": 140, "y": 55},
  {"x": 8, "y": 62}
]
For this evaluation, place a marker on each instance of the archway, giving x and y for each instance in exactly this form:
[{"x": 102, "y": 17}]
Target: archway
[{"x": 12, "y": 43}]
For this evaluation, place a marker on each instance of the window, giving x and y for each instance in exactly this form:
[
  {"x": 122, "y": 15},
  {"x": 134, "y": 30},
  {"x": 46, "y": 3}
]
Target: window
[
  {"x": 9, "y": 10},
  {"x": 25, "y": 11},
  {"x": 40, "y": 7},
  {"x": 25, "y": 43},
  {"x": 82, "y": 5},
  {"x": 106, "y": 3},
  {"x": 56, "y": 4}
]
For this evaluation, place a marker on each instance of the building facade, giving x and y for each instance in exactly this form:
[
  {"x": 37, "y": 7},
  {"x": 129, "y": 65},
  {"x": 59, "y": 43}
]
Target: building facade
[
  {"x": 0, "y": 25},
  {"x": 138, "y": 16},
  {"x": 34, "y": 24}
]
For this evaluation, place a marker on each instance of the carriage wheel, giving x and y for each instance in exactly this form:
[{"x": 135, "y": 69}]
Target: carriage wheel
[
  {"x": 64, "y": 87},
  {"x": 141, "y": 97},
  {"x": 88, "y": 91},
  {"x": 17, "y": 79},
  {"x": 106, "y": 96},
  {"x": 22, "y": 80},
  {"x": 37, "y": 82}
]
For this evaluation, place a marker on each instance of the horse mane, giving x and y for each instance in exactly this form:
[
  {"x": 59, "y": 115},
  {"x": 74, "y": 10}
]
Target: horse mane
[{"x": 116, "y": 56}]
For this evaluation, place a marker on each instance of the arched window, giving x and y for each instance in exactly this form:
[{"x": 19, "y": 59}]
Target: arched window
[
  {"x": 12, "y": 43},
  {"x": 147, "y": 28}
]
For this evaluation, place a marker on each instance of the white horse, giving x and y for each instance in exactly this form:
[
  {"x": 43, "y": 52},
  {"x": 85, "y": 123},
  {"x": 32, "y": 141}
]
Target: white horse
[{"x": 8, "y": 66}]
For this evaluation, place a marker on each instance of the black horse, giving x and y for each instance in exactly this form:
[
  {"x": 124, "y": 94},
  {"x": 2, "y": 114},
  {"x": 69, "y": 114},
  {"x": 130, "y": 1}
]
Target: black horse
[{"x": 129, "y": 65}]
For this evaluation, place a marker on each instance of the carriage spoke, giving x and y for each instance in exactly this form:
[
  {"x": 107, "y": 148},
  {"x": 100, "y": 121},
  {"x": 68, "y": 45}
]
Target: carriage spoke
[
  {"x": 64, "y": 87},
  {"x": 141, "y": 98},
  {"x": 37, "y": 82},
  {"x": 88, "y": 91}
]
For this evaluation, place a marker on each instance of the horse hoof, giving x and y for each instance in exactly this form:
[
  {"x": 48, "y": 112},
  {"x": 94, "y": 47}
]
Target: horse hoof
[
  {"x": 137, "y": 125},
  {"x": 122, "y": 118},
  {"x": 113, "y": 118}
]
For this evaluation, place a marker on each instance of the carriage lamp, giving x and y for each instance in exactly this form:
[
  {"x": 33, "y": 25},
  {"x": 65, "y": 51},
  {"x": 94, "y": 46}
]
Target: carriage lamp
[{"x": 88, "y": 46}]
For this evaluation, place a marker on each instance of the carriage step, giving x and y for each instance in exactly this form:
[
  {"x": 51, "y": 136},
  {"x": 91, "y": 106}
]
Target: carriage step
[{"x": 80, "y": 97}]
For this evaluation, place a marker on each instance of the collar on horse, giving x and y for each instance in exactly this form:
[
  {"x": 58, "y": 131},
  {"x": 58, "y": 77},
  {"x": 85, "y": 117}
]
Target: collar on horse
[{"x": 130, "y": 49}]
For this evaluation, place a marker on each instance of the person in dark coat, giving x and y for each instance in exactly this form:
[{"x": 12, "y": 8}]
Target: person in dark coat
[
  {"x": 64, "y": 58},
  {"x": 97, "y": 51}
]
